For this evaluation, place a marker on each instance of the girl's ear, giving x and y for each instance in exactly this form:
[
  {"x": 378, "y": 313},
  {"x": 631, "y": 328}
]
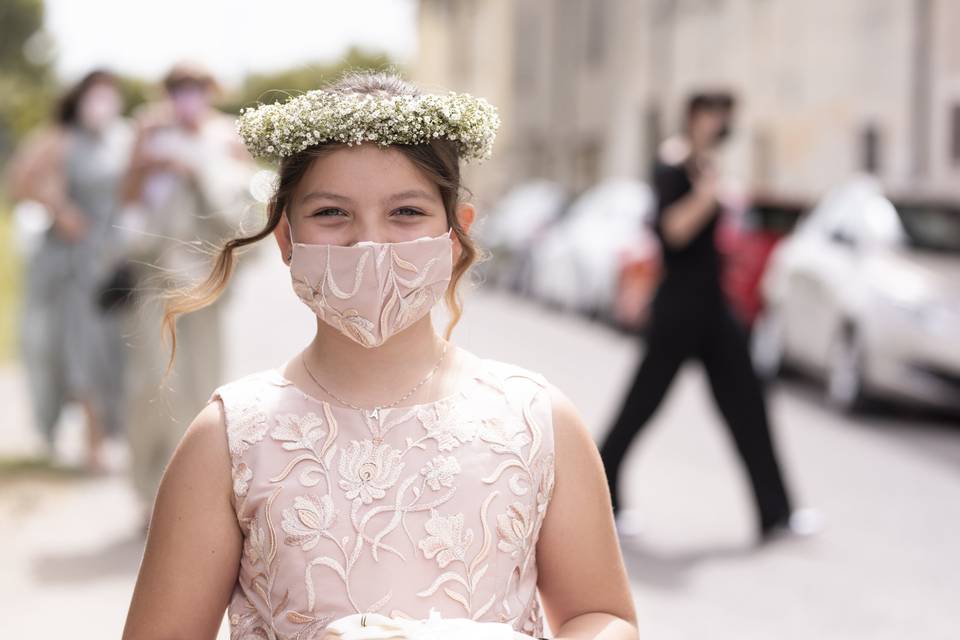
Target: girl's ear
[
  {"x": 466, "y": 214},
  {"x": 282, "y": 233}
]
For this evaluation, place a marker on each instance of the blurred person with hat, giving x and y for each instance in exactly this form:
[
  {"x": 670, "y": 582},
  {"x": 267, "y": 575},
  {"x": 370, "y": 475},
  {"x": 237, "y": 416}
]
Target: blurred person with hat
[{"x": 185, "y": 190}]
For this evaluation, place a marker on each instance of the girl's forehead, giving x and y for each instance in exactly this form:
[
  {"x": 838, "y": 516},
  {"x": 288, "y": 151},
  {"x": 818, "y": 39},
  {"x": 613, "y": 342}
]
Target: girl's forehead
[{"x": 366, "y": 170}]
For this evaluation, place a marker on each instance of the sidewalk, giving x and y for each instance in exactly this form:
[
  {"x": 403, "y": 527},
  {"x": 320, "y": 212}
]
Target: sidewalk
[{"x": 886, "y": 568}]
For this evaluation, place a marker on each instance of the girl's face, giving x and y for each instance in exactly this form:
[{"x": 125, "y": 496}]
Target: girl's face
[{"x": 364, "y": 193}]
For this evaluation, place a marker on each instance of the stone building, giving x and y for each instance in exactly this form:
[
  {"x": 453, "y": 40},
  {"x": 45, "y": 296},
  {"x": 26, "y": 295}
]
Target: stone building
[{"x": 826, "y": 88}]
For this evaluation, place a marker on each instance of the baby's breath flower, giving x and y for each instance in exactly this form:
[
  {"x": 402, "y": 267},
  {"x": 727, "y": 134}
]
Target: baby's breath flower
[{"x": 279, "y": 130}]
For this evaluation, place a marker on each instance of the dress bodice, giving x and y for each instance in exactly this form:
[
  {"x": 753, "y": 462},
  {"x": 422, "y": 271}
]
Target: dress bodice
[{"x": 436, "y": 505}]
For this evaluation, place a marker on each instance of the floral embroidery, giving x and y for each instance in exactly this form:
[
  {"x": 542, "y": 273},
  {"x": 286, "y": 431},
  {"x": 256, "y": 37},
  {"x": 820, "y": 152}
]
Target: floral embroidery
[
  {"x": 242, "y": 475},
  {"x": 253, "y": 548},
  {"x": 298, "y": 432},
  {"x": 367, "y": 471},
  {"x": 546, "y": 484},
  {"x": 309, "y": 518},
  {"x": 447, "y": 540},
  {"x": 507, "y": 435},
  {"x": 447, "y": 427},
  {"x": 515, "y": 529},
  {"x": 449, "y": 544},
  {"x": 406, "y": 289},
  {"x": 441, "y": 471},
  {"x": 482, "y": 558},
  {"x": 246, "y": 426}
]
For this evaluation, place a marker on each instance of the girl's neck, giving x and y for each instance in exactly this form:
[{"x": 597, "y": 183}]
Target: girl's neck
[{"x": 369, "y": 377}]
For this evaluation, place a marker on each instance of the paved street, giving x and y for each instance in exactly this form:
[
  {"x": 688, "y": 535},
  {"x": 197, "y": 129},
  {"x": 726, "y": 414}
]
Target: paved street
[{"x": 887, "y": 565}]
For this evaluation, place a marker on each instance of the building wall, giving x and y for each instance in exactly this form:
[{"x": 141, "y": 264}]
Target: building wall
[{"x": 825, "y": 88}]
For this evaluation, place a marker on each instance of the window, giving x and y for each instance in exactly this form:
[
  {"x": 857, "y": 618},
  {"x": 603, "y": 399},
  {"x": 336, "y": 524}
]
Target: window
[
  {"x": 955, "y": 134},
  {"x": 652, "y": 137},
  {"x": 597, "y": 31},
  {"x": 870, "y": 149},
  {"x": 527, "y": 47},
  {"x": 763, "y": 159}
]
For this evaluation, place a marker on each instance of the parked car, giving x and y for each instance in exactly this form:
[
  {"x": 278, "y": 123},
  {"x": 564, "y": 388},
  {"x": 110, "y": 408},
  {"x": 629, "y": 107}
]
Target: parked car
[
  {"x": 866, "y": 294},
  {"x": 576, "y": 264},
  {"x": 638, "y": 276},
  {"x": 746, "y": 239},
  {"x": 514, "y": 225}
]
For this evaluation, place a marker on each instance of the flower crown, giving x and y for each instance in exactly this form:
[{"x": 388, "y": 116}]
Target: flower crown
[{"x": 278, "y": 130}]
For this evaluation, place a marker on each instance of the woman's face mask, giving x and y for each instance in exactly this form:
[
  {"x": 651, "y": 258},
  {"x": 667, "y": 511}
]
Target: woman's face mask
[
  {"x": 99, "y": 107},
  {"x": 371, "y": 291},
  {"x": 190, "y": 103}
]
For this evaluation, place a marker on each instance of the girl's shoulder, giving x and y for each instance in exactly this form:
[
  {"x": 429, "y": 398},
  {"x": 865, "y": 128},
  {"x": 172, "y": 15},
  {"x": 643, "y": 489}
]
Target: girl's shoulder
[
  {"x": 251, "y": 386},
  {"x": 248, "y": 403},
  {"x": 508, "y": 376},
  {"x": 527, "y": 391}
]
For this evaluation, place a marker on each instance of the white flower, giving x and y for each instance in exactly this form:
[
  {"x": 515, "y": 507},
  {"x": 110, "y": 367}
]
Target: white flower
[
  {"x": 441, "y": 471},
  {"x": 246, "y": 427},
  {"x": 308, "y": 519},
  {"x": 449, "y": 428},
  {"x": 280, "y": 130},
  {"x": 446, "y": 541},
  {"x": 506, "y": 434},
  {"x": 298, "y": 432},
  {"x": 367, "y": 472}
]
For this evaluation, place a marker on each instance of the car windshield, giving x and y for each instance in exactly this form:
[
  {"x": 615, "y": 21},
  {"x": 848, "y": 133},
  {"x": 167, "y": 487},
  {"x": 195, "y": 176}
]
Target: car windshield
[{"x": 930, "y": 226}]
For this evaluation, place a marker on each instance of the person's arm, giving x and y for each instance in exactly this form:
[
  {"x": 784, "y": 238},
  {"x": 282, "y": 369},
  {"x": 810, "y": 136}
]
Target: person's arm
[
  {"x": 131, "y": 187},
  {"x": 582, "y": 580},
  {"x": 36, "y": 174},
  {"x": 193, "y": 549},
  {"x": 684, "y": 216}
]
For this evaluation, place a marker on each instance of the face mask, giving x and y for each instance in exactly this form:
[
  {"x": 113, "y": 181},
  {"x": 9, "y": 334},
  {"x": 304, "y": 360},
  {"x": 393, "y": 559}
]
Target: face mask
[
  {"x": 98, "y": 108},
  {"x": 189, "y": 104},
  {"x": 371, "y": 291}
]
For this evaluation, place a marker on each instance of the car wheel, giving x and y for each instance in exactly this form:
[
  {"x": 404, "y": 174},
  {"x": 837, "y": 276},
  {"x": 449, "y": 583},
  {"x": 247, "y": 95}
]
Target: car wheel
[
  {"x": 766, "y": 344},
  {"x": 845, "y": 374}
]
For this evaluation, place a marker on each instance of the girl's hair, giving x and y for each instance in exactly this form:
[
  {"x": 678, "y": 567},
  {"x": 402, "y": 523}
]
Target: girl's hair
[
  {"x": 66, "y": 112},
  {"x": 439, "y": 161}
]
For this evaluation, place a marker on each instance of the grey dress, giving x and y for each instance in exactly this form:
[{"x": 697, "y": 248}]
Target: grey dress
[{"x": 71, "y": 348}]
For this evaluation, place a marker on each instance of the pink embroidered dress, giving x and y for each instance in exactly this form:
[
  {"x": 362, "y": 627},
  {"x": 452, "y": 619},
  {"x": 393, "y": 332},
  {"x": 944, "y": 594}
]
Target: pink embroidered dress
[{"x": 436, "y": 505}]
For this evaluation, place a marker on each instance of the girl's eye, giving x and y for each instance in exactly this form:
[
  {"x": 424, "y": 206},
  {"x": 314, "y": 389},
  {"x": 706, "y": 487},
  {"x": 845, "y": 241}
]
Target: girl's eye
[
  {"x": 408, "y": 212},
  {"x": 328, "y": 213}
]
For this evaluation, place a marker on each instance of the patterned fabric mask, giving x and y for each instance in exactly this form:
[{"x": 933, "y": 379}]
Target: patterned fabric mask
[{"x": 371, "y": 290}]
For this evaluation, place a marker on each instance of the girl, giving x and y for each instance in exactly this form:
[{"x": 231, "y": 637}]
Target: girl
[{"x": 383, "y": 469}]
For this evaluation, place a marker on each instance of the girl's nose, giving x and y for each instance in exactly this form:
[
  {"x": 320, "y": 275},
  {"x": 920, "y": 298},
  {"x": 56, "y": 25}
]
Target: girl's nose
[{"x": 365, "y": 231}]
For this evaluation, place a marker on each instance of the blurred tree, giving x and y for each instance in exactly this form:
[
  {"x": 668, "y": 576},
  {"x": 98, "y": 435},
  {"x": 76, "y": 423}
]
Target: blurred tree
[
  {"x": 135, "y": 91},
  {"x": 27, "y": 87},
  {"x": 271, "y": 87}
]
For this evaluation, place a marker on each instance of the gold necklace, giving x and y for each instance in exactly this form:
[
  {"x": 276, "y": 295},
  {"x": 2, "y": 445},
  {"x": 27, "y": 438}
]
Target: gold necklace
[{"x": 375, "y": 411}]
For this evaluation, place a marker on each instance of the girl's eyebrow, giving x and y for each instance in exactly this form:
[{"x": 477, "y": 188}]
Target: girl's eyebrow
[
  {"x": 410, "y": 194},
  {"x": 324, "y": 195}
]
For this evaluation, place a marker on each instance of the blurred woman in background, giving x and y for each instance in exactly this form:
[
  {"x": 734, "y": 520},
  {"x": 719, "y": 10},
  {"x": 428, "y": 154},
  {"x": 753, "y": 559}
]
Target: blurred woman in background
[{"x": 71, "y": 347}]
